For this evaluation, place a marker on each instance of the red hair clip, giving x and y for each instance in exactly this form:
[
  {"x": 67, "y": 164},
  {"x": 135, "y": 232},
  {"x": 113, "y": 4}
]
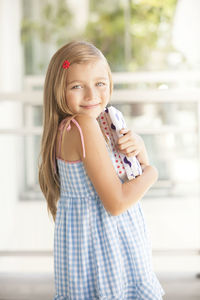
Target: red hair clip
[{"x": 66, "y": 64}]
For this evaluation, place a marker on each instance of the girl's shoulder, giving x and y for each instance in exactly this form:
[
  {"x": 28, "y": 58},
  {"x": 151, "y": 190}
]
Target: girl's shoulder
[
  {"x": 67, "y": 142},
  {"x": 70, "y": 145},
  {"x": 81, "y": 129}
]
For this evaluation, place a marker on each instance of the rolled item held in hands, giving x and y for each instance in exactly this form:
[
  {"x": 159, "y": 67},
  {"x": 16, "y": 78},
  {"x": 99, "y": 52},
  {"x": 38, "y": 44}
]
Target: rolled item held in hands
[{"x": 111, "y": 122}]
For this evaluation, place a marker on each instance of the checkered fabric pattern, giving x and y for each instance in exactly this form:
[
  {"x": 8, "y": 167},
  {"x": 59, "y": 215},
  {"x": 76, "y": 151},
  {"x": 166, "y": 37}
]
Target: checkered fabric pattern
[{"x": 97, "y": 255}]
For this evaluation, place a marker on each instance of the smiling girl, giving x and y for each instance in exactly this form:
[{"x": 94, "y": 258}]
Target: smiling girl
[{"x": 101, "y": 246}]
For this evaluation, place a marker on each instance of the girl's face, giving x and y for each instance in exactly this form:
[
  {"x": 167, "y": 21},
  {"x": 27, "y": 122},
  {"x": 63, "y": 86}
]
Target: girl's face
[{"x": 88, "y": 88}]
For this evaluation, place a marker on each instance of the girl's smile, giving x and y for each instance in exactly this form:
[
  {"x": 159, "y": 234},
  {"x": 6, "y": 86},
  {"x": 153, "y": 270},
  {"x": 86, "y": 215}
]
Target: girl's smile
[
  {"x": 88, "y": 88},
  {"x": 91, "y": 106}
]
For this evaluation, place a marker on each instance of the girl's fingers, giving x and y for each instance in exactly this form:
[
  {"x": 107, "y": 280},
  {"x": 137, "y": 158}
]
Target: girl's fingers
[
  {"x": 124, "y": 138},
  {"x": 134, "y": 153},
  {"x": 130, "y": 151},
  {"x": 129, "y": 136},
  {"x": 124, "y": 130},
  {"x": 129, "y": 144},
  {"x": 126, "y": 145}
]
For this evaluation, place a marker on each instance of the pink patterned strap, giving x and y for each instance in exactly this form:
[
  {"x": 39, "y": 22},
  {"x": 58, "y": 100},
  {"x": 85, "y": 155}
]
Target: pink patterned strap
[{"x": 63, "y": 124}]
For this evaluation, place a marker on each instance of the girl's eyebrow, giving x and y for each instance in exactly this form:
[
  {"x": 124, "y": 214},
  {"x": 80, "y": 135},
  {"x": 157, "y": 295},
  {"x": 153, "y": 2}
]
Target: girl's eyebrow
[{"x": 97, "y": 78}]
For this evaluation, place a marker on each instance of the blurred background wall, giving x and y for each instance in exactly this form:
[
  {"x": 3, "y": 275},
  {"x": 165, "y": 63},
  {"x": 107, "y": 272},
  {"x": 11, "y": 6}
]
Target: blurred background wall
[{"x": 153, "y": 48}]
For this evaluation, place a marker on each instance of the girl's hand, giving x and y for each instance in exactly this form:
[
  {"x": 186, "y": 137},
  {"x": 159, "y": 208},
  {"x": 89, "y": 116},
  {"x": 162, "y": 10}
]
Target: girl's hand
[{"x": 131, "y": 144}]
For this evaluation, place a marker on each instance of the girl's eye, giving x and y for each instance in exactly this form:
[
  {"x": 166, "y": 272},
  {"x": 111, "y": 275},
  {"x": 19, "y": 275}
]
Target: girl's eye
[
  {"x": 76, "y": 86},
  {"x": 101, "y": 83}
]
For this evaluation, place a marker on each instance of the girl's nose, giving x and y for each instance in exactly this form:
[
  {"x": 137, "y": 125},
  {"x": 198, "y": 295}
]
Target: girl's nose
[{"x": 90, "y": 94}]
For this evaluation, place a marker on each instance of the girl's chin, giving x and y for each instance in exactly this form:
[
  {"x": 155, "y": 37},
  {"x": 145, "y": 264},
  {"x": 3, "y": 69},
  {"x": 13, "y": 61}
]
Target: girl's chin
[{"x": 92, "y": 113}]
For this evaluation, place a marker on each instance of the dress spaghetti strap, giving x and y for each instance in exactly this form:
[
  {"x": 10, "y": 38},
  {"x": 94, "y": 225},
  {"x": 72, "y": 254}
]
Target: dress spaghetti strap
[{"x": 66, "y": 123}]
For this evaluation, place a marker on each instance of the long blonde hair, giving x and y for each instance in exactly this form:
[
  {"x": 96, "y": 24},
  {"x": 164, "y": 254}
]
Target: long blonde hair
[{"x": 55, "y": 109}]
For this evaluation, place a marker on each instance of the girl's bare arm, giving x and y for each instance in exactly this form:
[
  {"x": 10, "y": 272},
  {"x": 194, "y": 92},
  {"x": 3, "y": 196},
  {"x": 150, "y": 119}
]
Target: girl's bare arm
[
  {"x": 115, "y": 196},
  {"x": 136, "y": 188}
]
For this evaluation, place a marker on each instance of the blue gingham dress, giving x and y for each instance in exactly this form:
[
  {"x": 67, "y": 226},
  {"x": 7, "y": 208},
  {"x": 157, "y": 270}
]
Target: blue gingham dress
[{"x": 97, "y": 255}]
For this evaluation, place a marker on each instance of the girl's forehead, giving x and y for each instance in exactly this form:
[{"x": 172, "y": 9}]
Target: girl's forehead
[{"x": 97, "y": 68}]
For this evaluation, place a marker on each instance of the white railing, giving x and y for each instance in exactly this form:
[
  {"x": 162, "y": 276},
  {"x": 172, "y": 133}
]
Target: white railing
[{"x": 182, "y": 92}]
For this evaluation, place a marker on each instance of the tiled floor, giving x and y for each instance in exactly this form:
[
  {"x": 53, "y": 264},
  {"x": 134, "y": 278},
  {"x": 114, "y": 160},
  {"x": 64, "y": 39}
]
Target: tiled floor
[{"x": 41, "y": 287}]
